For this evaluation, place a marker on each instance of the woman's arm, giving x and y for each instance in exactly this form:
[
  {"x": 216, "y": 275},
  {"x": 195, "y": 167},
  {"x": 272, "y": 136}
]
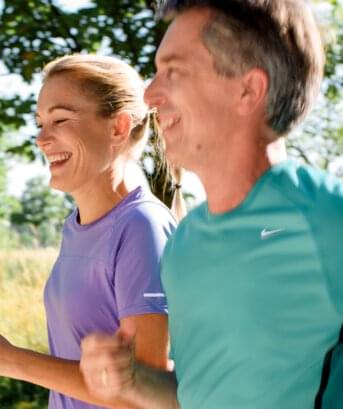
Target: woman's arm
[
  {"x": 60, "y": 375},
  {"x": 151, "y": 338},
  {"x": 64, "y": 376}
]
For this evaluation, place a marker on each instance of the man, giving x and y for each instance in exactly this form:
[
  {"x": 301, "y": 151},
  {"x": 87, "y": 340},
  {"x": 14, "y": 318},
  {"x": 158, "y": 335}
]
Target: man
[{"x": 253, "y": 275}]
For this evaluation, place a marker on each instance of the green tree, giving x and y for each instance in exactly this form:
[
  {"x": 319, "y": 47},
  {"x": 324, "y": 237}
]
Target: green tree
[
  {"x": 34, "y": 32},
  {"x": 41, "y": 215},
  {"x": 2, "y": 184},
  {"x": 7, "y": 205},
  {"x": 320, "y": 140},
  {"x": 21, "y": 395}
]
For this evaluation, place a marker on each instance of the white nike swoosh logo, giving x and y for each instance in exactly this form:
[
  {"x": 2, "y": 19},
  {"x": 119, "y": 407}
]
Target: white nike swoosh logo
[{"x": 267, "y": 233}]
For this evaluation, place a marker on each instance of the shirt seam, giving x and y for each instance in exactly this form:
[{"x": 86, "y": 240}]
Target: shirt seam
[
  {"x": 145, "y": 306},
  {"x": 83, "y": 257},
  {"x": 323, "y": 268}
]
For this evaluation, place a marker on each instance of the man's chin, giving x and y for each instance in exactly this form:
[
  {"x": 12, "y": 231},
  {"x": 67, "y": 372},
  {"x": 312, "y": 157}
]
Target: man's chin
[{"x": 172, "y": 157}]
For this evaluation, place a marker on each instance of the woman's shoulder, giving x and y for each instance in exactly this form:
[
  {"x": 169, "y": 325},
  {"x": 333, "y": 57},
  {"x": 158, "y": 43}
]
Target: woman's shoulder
[{"x": 145, "y": 207}]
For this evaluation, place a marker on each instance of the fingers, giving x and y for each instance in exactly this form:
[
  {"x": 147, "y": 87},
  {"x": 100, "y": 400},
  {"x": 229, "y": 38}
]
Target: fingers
[
  {"x": 124, "y": 336},
  {"x": 117, "y": 382},
  {"x": 111, "y": 378},
  {"x": 107, "y": 364},
  {"x": 100, "y": 341}
]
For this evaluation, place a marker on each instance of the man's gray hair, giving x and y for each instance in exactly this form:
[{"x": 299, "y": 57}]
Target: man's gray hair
[{"x": 278, "y": 36}]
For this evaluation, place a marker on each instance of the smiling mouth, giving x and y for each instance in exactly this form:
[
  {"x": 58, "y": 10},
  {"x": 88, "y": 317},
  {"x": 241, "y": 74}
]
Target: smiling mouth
[
  {"x": 167, "y": 124},
  {"x": 58, "y": 159}
]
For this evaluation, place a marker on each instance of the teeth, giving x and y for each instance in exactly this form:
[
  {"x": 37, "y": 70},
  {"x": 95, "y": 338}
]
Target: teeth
[
  {"x": 58, "y": 157},
  {"x": 168, "y": 123}
]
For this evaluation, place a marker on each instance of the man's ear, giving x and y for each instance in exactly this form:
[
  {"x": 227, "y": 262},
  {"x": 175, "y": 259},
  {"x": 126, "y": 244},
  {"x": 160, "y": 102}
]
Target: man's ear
[
  {"x": 121, "y": 129},
  {"x": 254, "y": 91}
]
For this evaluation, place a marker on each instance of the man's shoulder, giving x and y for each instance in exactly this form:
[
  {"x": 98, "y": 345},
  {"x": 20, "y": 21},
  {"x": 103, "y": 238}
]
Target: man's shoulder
[
  {"x": 320, "y": 181},
  {"x": 188, "y": 225},
  {"x": 310, "y": 187},
  {"x": 196, "y": 214}
]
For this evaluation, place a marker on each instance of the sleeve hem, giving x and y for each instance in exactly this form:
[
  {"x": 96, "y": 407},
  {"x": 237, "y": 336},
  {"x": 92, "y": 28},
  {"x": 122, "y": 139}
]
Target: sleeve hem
[{"x": 142, "y": 309}]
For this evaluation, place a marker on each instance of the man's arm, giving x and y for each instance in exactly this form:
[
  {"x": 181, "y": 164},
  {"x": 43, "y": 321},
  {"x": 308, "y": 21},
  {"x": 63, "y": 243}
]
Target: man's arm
[
  {"x": 111, "y": 372},
  {"x": 154, "y": 389}
]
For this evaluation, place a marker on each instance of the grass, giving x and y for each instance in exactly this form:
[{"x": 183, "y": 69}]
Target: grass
[{"x": 23, "y": 274}]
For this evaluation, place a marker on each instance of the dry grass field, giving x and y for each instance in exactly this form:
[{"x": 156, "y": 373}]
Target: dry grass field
[
  {"x": 22, "y": 277},
  {"x": 22, "y": 319}
]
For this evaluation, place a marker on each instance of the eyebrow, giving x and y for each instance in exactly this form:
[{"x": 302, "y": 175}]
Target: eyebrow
[
  {"x": 65, "y": 107},
  {"x": 170, "y": 58}
]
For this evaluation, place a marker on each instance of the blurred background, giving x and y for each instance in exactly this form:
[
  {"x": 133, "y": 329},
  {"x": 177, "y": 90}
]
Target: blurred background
[{"x": 32, "y": 33}]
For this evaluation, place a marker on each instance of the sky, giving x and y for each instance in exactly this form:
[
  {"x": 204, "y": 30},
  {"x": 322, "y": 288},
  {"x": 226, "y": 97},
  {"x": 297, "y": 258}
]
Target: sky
[{"x": 72, "y": 4}]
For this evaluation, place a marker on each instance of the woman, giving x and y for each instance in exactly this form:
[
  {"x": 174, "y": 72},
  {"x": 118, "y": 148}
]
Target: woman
[{"x": 92, "y": 122}]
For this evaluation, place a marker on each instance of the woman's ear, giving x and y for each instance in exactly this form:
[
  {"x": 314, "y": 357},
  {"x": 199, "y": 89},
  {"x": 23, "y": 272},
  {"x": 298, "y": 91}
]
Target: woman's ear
[{"x": 121, "y": 129}]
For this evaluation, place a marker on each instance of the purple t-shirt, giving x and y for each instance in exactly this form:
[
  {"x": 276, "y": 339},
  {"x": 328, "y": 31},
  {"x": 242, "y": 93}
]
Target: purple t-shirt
[{"x": 106, "y": 270}]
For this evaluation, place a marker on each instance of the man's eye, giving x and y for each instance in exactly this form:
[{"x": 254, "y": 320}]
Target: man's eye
[
  {"x": 171, "y": 73},
  {"x": 60, "y": 121},
  {"x": 39, "y": 126}
]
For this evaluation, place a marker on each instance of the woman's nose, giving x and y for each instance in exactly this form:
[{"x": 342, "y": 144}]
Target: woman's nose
[{"x": 43, "y": 140}]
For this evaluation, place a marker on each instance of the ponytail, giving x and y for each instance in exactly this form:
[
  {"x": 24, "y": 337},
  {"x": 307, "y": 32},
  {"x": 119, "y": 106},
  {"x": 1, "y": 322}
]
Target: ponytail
[{"x": 178, "y": 206}]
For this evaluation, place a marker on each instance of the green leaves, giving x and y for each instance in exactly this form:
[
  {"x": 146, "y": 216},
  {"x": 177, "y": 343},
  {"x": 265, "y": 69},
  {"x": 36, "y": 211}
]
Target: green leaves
[
  {"x": 40, "y": 204},
  {"x": 319, "y": 141},
  {"x": 37, "y": 31},
  {"x": 34, "y": 32}
]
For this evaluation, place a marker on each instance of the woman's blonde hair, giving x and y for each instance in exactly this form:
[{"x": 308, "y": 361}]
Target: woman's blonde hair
[
  {"x": 178, "y": 205},
  {"x": 116, "y": 87}
]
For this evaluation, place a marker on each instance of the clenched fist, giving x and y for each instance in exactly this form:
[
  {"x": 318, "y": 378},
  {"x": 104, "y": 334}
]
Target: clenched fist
[{"x": 108, "y": 365}]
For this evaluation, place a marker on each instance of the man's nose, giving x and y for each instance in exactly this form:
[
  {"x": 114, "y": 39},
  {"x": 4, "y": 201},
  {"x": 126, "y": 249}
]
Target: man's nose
[{"x": 154, "y": 95}]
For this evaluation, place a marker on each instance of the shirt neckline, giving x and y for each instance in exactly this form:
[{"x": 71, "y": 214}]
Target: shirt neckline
[
  {"x": 251, "y": 194},
  {"x": 137, "y": 191}
]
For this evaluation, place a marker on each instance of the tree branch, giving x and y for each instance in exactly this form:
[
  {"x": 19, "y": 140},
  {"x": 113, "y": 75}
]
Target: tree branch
[
  {"x": 301, "y": 153},
  {"x": 76, "y": 47}
]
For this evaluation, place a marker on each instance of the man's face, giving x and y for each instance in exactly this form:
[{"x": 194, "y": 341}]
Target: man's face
[{"x": 196, "y": 106}]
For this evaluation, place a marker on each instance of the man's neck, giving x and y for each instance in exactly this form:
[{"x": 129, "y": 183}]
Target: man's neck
[{"x": 228, "y": 185}]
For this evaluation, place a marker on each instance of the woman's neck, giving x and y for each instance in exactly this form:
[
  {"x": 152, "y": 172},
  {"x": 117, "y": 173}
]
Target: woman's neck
[{"x": 100, "y": 195}]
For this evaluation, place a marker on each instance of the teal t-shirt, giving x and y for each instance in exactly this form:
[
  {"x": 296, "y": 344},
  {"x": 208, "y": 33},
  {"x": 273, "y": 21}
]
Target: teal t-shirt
[{"x": 255, "y": 296}]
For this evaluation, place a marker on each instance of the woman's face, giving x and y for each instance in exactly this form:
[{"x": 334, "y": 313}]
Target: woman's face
[{"x": 75, "y": 139}]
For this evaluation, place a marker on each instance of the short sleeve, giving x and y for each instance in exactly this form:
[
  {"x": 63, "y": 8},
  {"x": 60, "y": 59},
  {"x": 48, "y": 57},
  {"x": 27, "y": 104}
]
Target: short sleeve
[{"x": 137, "y": 280}]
